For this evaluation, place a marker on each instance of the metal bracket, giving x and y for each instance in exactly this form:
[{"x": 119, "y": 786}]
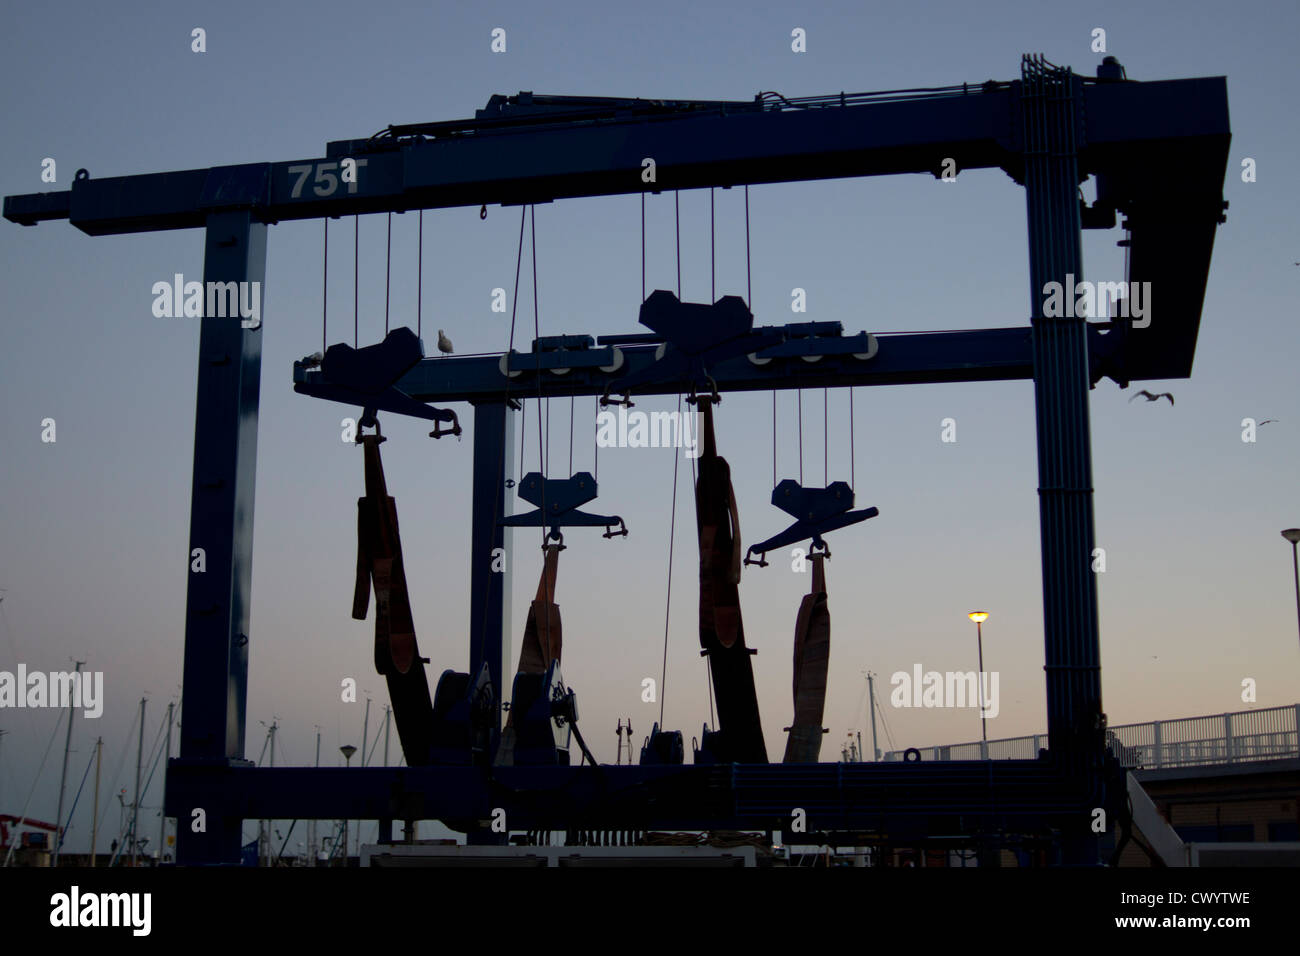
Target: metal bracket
[
  {"x": 695, "y": 336},
  {"x": 557, "y": 501},
  {"x": 367, "y": 377},
  {"x": 818, "y": 510}
]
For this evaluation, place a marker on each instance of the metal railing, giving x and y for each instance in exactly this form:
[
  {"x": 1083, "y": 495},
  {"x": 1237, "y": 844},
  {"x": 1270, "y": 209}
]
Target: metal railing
[{"x": 1269, "y": 733}]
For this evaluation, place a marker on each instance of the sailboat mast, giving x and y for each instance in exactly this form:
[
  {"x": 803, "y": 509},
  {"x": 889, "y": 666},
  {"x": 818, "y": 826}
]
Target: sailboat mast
[
  {"x": 162, "y": 817},
  {"x": 871, "y": 687},
  {"x": 63, "y": 779},
  {"x": 311, "y": 824},
  {"x": 135, "y": 813},
  {"x": 94, "y": 817}
]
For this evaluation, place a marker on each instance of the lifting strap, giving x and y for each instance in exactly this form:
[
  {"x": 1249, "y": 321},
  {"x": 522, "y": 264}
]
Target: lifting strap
[
  {"x": 543, "y": 634},
  {"x": 541, "y": 646},
  {"x": 379, "y": 564},
  {"x": 718, "y": 519},
  {"x": 812, "y": 646},
  {"x": 722, "y": 633}
]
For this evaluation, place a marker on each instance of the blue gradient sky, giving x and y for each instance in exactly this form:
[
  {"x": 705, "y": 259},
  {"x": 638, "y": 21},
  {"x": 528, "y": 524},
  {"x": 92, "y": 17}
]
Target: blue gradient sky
[{"x": 93, "y": 529}]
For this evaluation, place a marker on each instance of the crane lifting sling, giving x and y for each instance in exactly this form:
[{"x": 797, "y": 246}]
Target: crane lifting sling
[
  {"x": 543, "y": 633},
  {"x": 379, "y": 565},
  {"x": 539, "y": 658},
  {"x": 722, "y": 632},
  {"x": 812, "y": 649},
  {"x": 817, "y": 511}
]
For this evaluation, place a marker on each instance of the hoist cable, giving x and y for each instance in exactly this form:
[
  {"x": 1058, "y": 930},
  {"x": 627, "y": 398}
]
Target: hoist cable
[
  {"x": 388, "y": 272},
  {"x": 356, "y": 277},
  {"x": 826, "y": 437},
  {"x": 672, "y": 523},
  {"x": 419, "y": 281},
  {"x": 677, "y": 207},
  {"x": 853, "y": 455},
  {"x": 749, "y": 285},
  {"x": 643, "y": 247},
  {"x": 773, "y": 438},
  {"x": 713, "y": 271},
  {"x": 668, "y": 602},
  {"x": 523, "y": 434},
  {"x": 537, "y": 335},
  {"x": 572, "y": 406},
  {"x": 505, "y": 420},
  {"x": 514, "y": 311},
  {"x": 537, "y": 338},
  {"x": 325, "y": 290},
  {"x": 801, "y": 436}
]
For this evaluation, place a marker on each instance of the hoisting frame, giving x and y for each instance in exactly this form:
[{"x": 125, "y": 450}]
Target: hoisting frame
[{"x": 1159, "y": 152}]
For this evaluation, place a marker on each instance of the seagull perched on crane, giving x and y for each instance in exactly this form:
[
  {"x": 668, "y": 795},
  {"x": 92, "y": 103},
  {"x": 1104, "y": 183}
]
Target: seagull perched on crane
[
  {"x": 444, "y": 343},
  {"x": 1152, "y": 397}
]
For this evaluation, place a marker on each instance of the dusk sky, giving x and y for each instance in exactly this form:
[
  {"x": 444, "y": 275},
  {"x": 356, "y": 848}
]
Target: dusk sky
[{"x": 1197, "y": 594}]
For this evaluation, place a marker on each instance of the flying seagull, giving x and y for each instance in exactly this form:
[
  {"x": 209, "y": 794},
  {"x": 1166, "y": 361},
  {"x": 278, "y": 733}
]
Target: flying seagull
[
  {"x": 444, "y": 343},
  {"x": 1267, "y": 420},
  {"x": 1151, "y": 398}
]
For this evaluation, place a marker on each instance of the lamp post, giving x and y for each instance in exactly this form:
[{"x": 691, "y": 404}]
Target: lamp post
[
  {"x": 1293, "y": 535},
  {"x": 979, "y": 617},
  {"x": 348, "y": 750}
]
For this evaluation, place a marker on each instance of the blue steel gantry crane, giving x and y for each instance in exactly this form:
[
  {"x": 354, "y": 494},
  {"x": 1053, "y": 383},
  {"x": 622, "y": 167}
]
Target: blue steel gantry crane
[{"x": 1158, "y": 151}]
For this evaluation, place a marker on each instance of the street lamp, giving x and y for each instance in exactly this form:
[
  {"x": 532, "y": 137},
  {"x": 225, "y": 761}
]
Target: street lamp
[
  {"x": 979, "y": 617},
  {"x": 1293, "y": 535},
  {"x": 348, "y": 750}
]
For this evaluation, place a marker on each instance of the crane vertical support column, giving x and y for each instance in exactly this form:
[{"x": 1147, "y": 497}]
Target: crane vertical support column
[
  {"x": 489, "y": 576},
  {"x": 221, "y": 523},
  {"x": 1052, "y": 134}
]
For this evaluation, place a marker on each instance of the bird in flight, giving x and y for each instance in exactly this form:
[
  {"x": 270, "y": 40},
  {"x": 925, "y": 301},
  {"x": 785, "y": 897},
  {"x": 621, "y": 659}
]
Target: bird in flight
[
  {"x": 1151, "y": 397},
  {"x": 444, "y": 343},
  {"x": 1267, "y": 420}
]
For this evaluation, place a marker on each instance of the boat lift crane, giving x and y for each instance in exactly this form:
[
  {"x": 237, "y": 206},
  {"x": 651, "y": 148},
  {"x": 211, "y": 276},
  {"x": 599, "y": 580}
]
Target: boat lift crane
[{"x": 1158, "y": 151}]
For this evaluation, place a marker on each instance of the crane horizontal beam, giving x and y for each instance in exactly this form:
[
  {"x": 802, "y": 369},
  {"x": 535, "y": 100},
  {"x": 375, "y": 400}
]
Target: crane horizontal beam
[
  {"x": 546, "y": 155},
  {"x": 902, "y": 358},
  {"x": 905, "y": 358}
]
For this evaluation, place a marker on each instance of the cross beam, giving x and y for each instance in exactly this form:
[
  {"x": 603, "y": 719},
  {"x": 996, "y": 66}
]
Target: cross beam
[
  {"x": 472, "y": 162},
  {"x": 908, "y": 358},
  {"x": 899, "y": 800}
]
